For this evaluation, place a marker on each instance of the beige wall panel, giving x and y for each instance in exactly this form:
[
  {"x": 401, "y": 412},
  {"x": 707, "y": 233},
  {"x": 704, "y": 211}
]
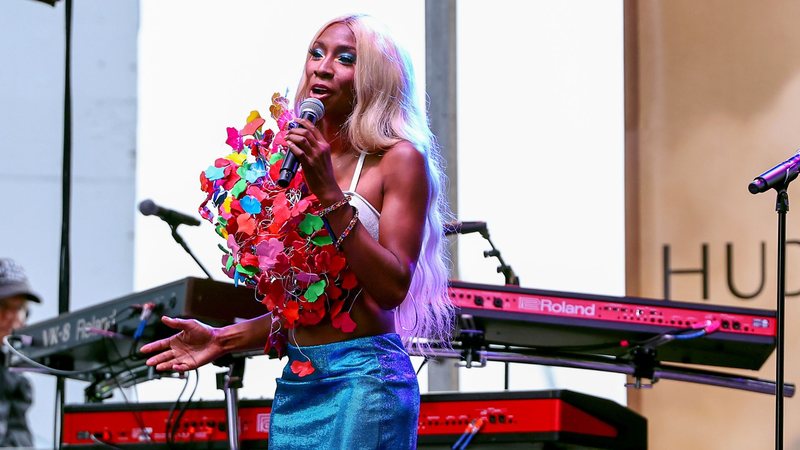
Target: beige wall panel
[{"x": 718, "y": 89}]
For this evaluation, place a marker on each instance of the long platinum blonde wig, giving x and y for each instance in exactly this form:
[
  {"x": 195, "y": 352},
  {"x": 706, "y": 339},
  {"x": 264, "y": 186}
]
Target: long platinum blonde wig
[{"x": 388, "y": 110}]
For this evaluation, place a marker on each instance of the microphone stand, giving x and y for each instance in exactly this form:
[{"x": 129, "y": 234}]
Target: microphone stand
[
  {"x": 505, "y": 269},
  {"x": 782, "y": 207},
  {"x": 510, "y": 278},
  {"x": 778, "y": 178},
  {"x": 182, "y": 243},
  {"x": 229, "y": 382}
]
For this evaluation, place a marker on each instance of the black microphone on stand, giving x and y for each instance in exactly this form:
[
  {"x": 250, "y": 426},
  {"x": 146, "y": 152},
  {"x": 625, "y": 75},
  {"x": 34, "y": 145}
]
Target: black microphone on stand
[
  {"x": 779, "y": 175},
  {"x": 778, "y": 178},
  {"x": 174, "y": 218},
  {"x": 312, "y": 110},
  {"x": 458, "y": 227}
]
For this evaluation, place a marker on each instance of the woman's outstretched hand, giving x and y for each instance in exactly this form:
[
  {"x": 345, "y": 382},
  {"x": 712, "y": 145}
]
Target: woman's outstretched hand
[{"x": 193, "y": 347}]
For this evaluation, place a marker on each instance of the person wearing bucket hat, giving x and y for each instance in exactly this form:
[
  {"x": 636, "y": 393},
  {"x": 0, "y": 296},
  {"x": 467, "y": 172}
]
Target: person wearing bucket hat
[{"x": 16, "y": 393}]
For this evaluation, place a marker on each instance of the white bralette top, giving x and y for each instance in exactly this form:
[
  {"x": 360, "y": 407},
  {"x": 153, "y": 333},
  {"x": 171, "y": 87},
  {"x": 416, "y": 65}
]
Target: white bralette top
[{"x": 367, "y": 214}]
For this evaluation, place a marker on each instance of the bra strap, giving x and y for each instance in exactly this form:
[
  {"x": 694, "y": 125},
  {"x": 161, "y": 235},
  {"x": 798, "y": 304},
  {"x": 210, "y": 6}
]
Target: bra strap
[{"x": 357, "y": 172}]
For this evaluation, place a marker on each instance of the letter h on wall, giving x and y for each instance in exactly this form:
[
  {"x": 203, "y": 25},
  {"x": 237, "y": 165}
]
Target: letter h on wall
[{"x": 668, "y": 271}]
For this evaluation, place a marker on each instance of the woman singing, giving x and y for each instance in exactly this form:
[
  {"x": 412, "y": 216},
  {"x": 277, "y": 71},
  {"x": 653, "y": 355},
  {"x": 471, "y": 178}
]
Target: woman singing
[{"x": 372, "y": 163}]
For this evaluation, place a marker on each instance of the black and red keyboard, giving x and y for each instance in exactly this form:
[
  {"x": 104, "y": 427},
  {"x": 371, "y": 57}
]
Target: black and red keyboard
[
  {"x": 606, "y": 325},
  {"x": 556, "y": 419}
]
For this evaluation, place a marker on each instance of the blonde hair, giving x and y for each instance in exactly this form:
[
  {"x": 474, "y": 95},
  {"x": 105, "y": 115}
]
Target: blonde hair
[{"x": 388, "y": 110}]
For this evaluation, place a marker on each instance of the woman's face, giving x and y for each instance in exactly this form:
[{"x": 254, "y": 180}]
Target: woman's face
[{"x": 330, "y": 70}]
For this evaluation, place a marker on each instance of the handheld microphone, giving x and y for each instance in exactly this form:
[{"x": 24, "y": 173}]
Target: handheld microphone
[
  {"x": 312, "y": 110},
  {"x": 781, "y": 174},
  {"x": 174, "y": 218}
]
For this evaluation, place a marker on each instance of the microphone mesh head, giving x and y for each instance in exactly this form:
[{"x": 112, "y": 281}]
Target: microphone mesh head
[
  {"x": 147, "y": 207},
  {"x": 313, "y": 106}
]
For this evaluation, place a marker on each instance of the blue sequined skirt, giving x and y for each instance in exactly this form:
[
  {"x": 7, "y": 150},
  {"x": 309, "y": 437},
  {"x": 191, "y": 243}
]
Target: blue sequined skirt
[{"x": 363, "y": 395}]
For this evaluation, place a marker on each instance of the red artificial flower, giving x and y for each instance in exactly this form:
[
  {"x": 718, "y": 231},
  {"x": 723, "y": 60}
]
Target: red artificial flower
[
  {"x": 249, "y": 259},
  {"x": 275, "y": 171},
  {"x": 333, "y": 291},
  {"x": 302, "y": 368},
  {"x": 276, "y": 345},
  {"x": 205, "y": 184},
  {"x": 231, "y": 180},
  {"x": 336, "y": 307},
  {"x": 290, "y": 312},
  {"x": 282, "y": 264},
  {"x": 350, "y": 281},
  {"x": 246, "y": 224},
  {"x": 312, "y": 316},
  {"x": 344, "y": 322},
  {"x": 274, "y": 294},
  {"x": 252, "y": 127}
]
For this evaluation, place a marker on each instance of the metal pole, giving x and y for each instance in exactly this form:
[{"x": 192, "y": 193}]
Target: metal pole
[{"x": 440, "y": 80}]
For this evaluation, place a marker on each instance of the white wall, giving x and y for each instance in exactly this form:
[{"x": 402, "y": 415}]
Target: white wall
[
  {"x": 104, "y": 145},
  {"x": 541, "y": 158}
]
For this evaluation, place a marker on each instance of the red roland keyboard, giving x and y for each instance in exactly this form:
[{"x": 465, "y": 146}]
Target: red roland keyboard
[
  {"x": 556, "y": 419},
  {"x": 583, "y": 323}
]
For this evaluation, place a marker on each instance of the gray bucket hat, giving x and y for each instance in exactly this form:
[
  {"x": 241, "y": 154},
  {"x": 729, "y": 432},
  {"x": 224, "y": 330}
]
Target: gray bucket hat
[{"x": 13, "y": 281}]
